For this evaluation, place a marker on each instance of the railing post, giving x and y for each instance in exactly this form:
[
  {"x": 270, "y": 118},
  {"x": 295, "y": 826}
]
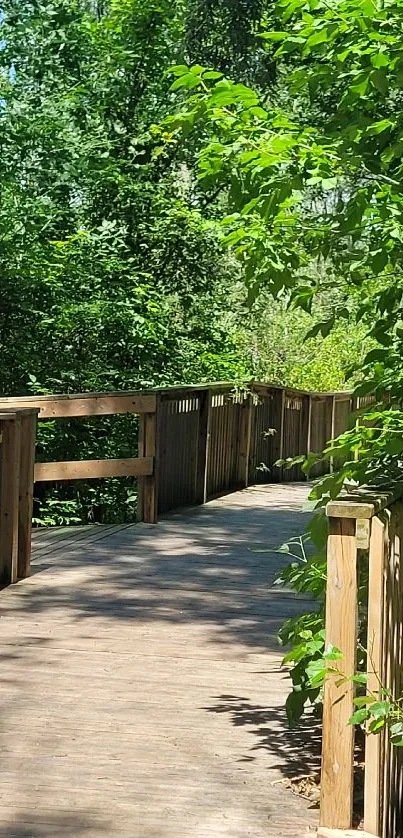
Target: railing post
[
  {"x": 9, "y": 496},
  {"x": 341, "y": 631},
  {"x": 244, "y": 441},
  {"x": 26, "y": 491},
  {"x": 203, "y": 445},
  {"x": 332, "y": 429},
  {"x": 147, "y": 499}
]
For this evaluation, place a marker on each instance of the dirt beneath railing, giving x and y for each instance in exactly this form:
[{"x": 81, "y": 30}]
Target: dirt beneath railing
[{"x": 308, "y": 787}]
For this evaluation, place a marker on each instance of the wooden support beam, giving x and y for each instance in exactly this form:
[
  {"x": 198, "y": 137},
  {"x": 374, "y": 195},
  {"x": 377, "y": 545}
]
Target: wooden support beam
[
  {"x": 341, "y": 631},
  {"x": 89, "y": 469},
  {"x": 378, "y": 551},
  {"x": 244, "y": 441},
  {"x": 26, "y": 488},
  {"x": 101, "y": 404},
  {"x": 147, "y": 502},
  {"x": 9, "y": 498},
  {"x": 203, "y": 446}
]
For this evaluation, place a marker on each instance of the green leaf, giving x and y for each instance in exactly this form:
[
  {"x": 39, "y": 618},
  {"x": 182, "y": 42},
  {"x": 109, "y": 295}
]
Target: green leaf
[
  {"x": 360, "y": 87},
  {"x": 380, "y": 80},
  {"x": 363, "y": 700},
  {"x": 359, "y": 716},
  {"x": 187, "y": 81},
  {"x": 274, "y": 36},
  {"x": 380, "y": 709},
  {"x": 380, "y": 126},
  {"x": 323, "y": 328},
  {"x": 319, "y": 37},
  {"x": 212, "y": 74},
  {"x": 316, "y": 672},
  {"x": 294, "y": 706},
  {"x": 377, "y": 725},
  {"x": 197, "y": 70},
  {"x": 179, "y": 69}
]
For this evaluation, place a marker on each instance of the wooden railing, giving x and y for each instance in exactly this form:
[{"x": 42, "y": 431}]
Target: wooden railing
[
  {"x": 365, "y": 539},
  {"x": 17, "y": 457},
  {"x": 194, "y": 443}
]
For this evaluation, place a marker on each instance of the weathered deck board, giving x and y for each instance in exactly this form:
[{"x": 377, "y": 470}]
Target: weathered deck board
[{"x": 141, "y": 689}]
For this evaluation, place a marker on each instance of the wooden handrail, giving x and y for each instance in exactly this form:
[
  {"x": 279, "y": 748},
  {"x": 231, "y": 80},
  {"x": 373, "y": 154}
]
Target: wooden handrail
[{"x": 194, "y": 441}]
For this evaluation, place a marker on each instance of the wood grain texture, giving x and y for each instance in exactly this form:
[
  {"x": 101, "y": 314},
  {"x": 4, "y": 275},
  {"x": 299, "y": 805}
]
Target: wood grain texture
[
  {"x": 85, "y": 404},
  {"x": 203, "y": 446},
  {"x": 148, "y": 485},
  {"x": 9, "y": 499},
  {"x": 142, "y": 695},
  {"x": 26, "y": 489},
  {"x": 90, "y": 469},
  {"x": 378, "y": 555},
  {"x": 341, "y": 632},
  {"x": 244, "y": 441}
]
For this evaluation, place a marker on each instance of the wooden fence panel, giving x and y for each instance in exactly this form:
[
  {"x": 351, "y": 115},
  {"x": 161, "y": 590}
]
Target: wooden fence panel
[
  {"x": 342, "y": 414},
  {"x": 295, "y": 434},
  {"x": 223, "y": 461},
  {"x": 321, "y": 429},
  {"x": 266, "y": 437},
  {"x": 178, "y": 451}
]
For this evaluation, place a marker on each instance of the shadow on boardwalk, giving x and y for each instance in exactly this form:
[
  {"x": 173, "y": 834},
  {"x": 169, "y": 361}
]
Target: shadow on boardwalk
[
  {"x": 211, "y": 565},
  {"x": 142, "y": 691},
  {"x": 298, "y": 749}
]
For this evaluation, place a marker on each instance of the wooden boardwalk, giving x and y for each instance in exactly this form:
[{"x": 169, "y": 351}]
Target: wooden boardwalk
[{"x": 141, "y": 690}]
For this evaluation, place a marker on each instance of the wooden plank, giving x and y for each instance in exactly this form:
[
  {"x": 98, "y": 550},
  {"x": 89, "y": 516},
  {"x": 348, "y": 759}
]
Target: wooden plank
[
  {"x": 26, "y": 489},
  {"x": 138, "y": 679},
  {"x": 148, "y": 512},
  {"x": 203, "y": 446},
  {"x": 373, "y": 746},
  {"x": 149, "y": 490},
  {"x": 140, "y": 482},
  {"x": 341, "y": 631},
  {"x": 58, "y": 407},
  {"x": 9, "y": 499},
  {"x": 89, "y": 469},
  {"x": 282, "y": 424},
  {"x": 344, "y": 833},
  {"x": 332, "y": 428},
  {"x": 309, "y": 428},
  {"x": 362, "y": 503},
  {"x": 350, "y": 509}
]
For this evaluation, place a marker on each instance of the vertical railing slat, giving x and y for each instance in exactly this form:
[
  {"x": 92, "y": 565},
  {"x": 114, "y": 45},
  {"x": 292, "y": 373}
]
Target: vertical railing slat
[
  {"x": 244, "y": 441},
  {"x": 378, "y": 552},
  {"x": 9, "y": 498},
  {"x": 26, "y": 492},
  {"x": 203, "y": 446}
]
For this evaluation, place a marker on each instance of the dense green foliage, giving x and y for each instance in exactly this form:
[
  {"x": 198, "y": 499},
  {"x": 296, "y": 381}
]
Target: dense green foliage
[
  {"x": 111, "y": 277},
  {"x": 113, "y": 271},
  {"x": 313, "y": 176}
]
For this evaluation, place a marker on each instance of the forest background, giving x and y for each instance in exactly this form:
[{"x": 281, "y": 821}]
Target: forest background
[{"x": 115, "y": 268}]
